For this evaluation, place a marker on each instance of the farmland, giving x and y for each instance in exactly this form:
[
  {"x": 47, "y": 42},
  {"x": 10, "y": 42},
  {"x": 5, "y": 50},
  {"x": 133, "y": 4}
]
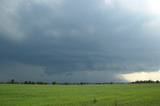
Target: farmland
[{"x": 80, "y": 95}]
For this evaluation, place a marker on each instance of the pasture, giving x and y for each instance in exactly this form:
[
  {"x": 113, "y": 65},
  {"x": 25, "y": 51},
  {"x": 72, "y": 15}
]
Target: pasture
[{"x": 80, "y": 95}]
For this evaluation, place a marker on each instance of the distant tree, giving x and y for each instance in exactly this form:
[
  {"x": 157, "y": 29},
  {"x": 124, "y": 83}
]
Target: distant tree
[
  {"x": 66, "y": 83},
  {"x": 29, "y": 82},
  {"x": 12, "y": 81},
  {"x": 54, "y": 82},
  {"x": 25, "y": 82},
  {"x": 83, "y": 83},
  {"x": 32, "y": 82},
  {"x": 157, "y": 81},
  {"x": 111, "y": 83},
  {"x": 98, "y": 83}
]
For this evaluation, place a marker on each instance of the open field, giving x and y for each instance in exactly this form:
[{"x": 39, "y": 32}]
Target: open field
[{"x": 80, "y": 95}]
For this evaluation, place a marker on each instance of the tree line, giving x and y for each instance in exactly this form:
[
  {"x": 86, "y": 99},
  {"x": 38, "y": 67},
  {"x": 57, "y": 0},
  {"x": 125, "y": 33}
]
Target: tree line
[
  {"x": 13, "y": 81},
  {"x": 146, "y": 81}
]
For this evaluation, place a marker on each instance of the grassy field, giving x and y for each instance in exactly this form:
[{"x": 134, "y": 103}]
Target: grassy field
[{"x": 80, "y": 95}]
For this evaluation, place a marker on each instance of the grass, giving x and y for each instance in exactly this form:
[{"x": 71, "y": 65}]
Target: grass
[{"x": 80, "y": 95}]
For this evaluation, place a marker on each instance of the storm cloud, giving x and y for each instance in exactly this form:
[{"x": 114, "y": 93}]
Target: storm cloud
[{"x": 77, "y": 40}]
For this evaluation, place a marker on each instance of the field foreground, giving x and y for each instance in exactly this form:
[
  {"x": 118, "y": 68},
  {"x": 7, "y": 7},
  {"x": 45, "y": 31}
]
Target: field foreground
[{"x": 80, "y": 95}]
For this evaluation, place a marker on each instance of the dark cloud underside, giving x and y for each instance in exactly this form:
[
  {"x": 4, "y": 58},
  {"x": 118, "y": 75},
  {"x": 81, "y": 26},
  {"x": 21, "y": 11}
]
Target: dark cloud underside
[{"x": 75, "y": 36}]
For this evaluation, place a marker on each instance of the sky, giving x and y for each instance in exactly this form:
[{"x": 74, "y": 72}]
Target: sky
[{"x": 79, "y": 40}]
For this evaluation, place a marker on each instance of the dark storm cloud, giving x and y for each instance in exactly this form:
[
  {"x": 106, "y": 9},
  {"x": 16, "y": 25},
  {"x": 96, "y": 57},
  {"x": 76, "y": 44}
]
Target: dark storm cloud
[{"x": 75, "y": 35}]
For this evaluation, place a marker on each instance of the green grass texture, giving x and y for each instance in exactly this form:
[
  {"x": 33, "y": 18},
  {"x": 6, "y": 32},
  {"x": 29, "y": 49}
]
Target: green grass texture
[{"x": 80, "y": 95}]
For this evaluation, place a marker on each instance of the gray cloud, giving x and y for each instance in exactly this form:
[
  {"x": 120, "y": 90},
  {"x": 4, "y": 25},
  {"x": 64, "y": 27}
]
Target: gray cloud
[{"x": 76, "y": 36}]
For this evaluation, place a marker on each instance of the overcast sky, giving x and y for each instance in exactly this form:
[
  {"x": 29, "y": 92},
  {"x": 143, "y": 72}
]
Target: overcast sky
[{"x": 78, "y": 40}]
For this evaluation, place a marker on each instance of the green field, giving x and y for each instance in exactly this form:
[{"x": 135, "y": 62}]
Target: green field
[{"x": 80, "y": 95}]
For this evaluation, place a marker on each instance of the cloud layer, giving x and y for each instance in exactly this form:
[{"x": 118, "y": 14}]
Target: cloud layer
[{"x": 69, "y": 40}]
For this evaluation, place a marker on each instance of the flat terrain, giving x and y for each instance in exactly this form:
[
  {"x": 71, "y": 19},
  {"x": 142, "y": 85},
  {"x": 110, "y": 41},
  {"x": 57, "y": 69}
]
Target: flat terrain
[{"x": 80, "y": 95}]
